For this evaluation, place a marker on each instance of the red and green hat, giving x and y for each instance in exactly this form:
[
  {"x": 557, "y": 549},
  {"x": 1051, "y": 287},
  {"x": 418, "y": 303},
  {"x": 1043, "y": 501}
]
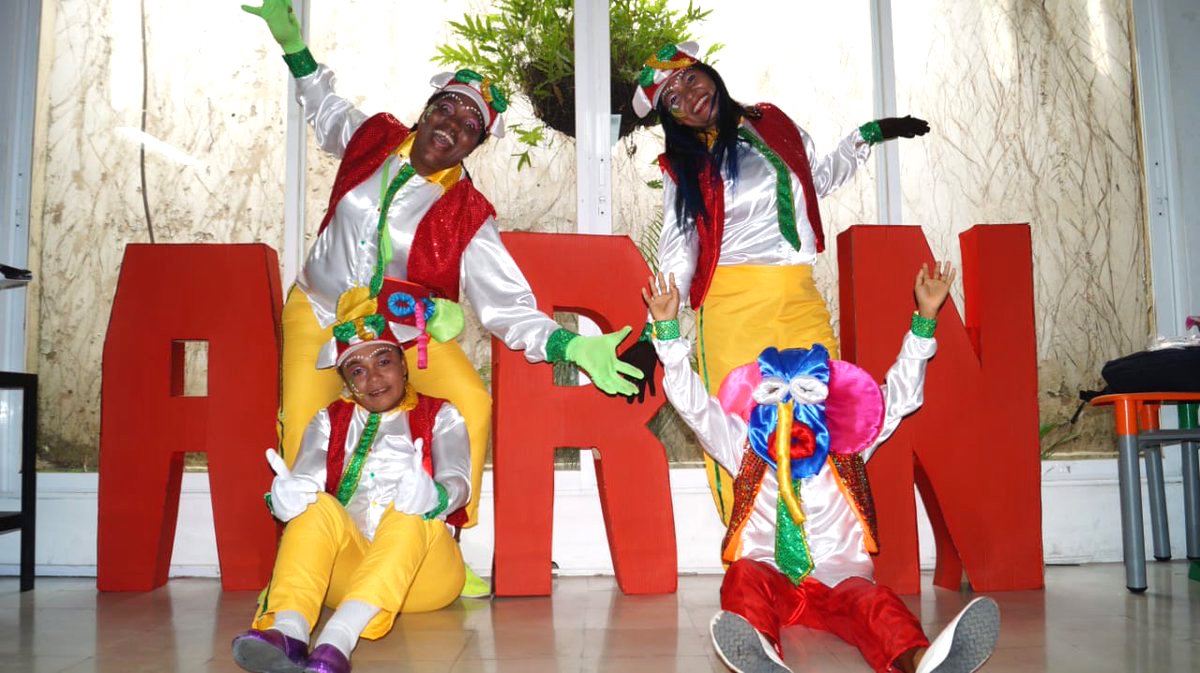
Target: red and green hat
[
  {"x": 660, "y": 68},
  {"x": 485, "y": 93},
  {"x": 360, "y": 323}
]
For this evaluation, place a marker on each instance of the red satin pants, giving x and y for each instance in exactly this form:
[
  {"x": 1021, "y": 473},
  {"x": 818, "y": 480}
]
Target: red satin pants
[{"x": 869, "y": 616}]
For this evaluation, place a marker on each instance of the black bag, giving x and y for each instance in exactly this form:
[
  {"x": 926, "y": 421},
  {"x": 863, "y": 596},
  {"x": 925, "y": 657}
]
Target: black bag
[{"x": 1169, "y": 370}]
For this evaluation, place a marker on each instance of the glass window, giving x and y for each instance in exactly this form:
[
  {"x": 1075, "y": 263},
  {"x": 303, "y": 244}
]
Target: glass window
[{"x": 1034, "y": 120}]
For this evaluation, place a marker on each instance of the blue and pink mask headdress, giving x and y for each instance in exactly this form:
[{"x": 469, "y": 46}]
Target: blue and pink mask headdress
[{"x": 800, "y": 406}]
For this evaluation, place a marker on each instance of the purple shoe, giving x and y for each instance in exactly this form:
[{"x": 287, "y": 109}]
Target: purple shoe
[
  {"x": 269, "y": 652},
  {"x": 327, "y": 659}
]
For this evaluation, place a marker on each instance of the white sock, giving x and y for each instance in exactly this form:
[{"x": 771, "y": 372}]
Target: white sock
[
  {"x": 346, "y": 625},
  {"x": 292, "y": 624}
]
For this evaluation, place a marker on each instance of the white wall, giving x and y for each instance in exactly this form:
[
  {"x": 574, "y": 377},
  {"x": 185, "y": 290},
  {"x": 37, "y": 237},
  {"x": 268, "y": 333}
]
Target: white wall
[{"x": 1081, "y": 522}]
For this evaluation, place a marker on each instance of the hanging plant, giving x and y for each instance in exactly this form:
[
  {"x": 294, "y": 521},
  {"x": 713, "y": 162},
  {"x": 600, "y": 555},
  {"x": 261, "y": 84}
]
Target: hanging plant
[{"x": 529, "y": 47}]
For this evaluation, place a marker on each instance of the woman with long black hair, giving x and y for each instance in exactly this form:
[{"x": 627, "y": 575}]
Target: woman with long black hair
[{"x": 741, "y": 226}]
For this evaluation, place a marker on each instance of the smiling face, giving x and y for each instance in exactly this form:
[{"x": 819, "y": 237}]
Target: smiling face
[
  {"x": 377, "y": 376},
  {"x": 450, "y": 129},
  {"x": 690, "y": 97}
]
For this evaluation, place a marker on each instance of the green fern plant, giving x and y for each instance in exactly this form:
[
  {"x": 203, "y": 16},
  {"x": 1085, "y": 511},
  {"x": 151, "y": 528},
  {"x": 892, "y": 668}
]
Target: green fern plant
[{"x": 528, "y": 47}]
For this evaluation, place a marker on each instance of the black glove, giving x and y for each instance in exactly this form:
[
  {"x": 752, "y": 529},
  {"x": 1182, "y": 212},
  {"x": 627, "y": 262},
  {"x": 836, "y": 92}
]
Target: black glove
[
  {"x": 641, "y": 355},
  {"x": 902, "y": 127}
]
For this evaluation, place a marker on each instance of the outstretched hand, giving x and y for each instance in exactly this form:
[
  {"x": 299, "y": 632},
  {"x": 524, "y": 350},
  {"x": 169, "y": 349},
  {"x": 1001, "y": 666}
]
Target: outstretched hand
[
  {"x": 932, "y": 288},
  {"x": 907, "y": 126},
  {"x": 282, "y": 22},
  {"x": 596, "y": 356},
  {"x": 662, "y": 297}
]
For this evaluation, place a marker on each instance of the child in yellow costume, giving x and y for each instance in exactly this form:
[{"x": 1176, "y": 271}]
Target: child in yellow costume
[{"x": 380, "y": 476}]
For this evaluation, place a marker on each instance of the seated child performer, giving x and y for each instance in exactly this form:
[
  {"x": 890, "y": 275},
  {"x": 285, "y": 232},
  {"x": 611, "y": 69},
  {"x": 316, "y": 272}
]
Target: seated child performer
[
  {"x": 365, "y": 503},
  {"x": 796, "y": 428}
]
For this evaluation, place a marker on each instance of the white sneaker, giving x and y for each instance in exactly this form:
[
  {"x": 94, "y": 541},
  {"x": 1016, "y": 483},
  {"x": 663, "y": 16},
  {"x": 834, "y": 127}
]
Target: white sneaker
[
  {"x": 742, "y": 647},
  {"x": 966, "y": 642}
]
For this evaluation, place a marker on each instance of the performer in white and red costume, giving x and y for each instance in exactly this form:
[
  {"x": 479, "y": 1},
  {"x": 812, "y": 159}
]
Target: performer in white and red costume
[
  {"x": 741, "y": 223},
  {"x": 404, "y": 208},
  {"x": 797, "y": 427}
]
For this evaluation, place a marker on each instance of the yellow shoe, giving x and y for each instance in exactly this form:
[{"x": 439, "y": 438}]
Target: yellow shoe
[{"x": 475, "y": 586}]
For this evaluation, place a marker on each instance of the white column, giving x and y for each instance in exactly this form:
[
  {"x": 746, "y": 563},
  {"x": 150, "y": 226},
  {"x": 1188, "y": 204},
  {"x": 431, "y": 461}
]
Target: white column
[
  {"x": 20, "y": 23},
  {"x": 294, "y": 172},
  {"x": 593, "y": 145},
  {"x": 593, "y": 149},
  {"x": 887, "y": 155},
  {"x": 1166, "y": 82}
]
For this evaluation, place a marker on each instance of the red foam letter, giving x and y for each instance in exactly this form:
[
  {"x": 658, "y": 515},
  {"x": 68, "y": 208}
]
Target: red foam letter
[
  {"x": 972, "y": 449},
  {"x": 599, "y": 277},
  {"x": 229, "y": 296}
]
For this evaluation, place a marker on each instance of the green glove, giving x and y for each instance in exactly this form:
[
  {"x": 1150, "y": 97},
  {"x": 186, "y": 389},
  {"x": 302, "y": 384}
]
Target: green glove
[
  {"x": 597, "y": 357},
  {"x": 447, "y": 320},
  {"x": 282, "y": 22}
]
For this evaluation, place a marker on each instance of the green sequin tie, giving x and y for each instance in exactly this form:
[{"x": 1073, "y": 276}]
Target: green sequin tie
[
  {"x": 349, "y": 483},
  {"x": 783, "y": 189},
  {"x": 791, "y": 547},
  {"x": 384, "y": 236}
]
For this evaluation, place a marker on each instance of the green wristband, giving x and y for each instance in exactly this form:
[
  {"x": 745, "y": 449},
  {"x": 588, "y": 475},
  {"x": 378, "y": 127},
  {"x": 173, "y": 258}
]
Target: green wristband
[
  {"x": 443, "y": 502},
  {"x": 556, "y": 345},
  {"x": 301, "y": 63},
  {"x": 871, "y": 133},
  {"x": 665, "y": 330},
  {"x": 923, "y": 327}
]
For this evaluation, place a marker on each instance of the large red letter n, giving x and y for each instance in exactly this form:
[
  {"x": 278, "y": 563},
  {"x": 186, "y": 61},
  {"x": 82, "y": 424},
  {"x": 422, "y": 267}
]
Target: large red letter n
[{"x": 972, "y": 449}]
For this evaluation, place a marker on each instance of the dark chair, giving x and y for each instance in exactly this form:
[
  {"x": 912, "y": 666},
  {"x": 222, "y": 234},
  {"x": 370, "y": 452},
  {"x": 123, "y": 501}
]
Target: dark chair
[{"x": 25, "y": 519}]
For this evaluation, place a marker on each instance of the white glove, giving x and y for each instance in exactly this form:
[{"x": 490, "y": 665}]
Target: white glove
[
  {"x": 290, "y": 496},
  {"x": 418, "y": 493}
]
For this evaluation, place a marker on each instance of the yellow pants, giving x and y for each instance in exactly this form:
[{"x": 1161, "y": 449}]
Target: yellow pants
[
  {"x": 307, "y": 390},
  {"x": 749, "y": 308},
  {"x": 412, "y": 565}
]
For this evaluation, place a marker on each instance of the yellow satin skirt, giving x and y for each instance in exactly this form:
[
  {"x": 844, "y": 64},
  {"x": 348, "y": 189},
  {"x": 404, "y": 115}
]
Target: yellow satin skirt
[
  {"x": 306, "y": 390},
  {"x": 749, "y": 308},
  {"x": 412, "y": 565}
]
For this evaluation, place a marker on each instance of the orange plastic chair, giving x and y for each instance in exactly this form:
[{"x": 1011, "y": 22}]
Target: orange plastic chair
[{"x": 1136, "y": 417}]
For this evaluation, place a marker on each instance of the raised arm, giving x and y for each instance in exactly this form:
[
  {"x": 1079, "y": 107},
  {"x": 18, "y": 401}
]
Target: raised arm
[
  {"x": 904, "y": 386},
  {"x": 721, "y": 435},
  {"x": 333, "y": 118}
]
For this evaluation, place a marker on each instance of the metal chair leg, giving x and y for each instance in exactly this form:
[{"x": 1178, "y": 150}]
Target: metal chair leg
[
  {"x": 1157, "y": 492},
  {"x": 1132, "y": 532},
  {"x": 1191, "y": 480}
]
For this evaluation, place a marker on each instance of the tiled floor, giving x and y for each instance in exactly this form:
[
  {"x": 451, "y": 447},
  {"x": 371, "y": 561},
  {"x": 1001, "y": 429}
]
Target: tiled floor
[{"x": 1085, "y": 620}]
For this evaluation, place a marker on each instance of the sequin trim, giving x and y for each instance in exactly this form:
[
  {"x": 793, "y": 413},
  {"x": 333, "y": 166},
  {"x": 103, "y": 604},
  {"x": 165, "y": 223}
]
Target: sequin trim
[
  {"x": 745, "y": 489},
  {"x": 922, "y": 326},
  {"x": 665, "y": 330},
  {"x": 791, "y": 544},
  {"x": 349, "y": 483},
  {"x": 443, "y": 502},
  {"x": 785, "y": 205},
  {"x": 871, "y": 133},
  {"x": 301, "y": 63},
  {"x": 556, "y": 345},
  {"x": 385, "y": 236}
]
